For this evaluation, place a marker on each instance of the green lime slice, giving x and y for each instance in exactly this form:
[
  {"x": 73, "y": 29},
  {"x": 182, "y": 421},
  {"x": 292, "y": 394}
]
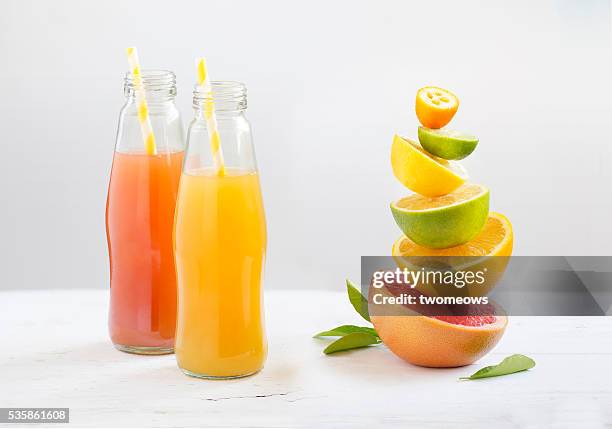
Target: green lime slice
[
  {"x": 447, "y": 144},
  {"x": 446, "y": 221}
]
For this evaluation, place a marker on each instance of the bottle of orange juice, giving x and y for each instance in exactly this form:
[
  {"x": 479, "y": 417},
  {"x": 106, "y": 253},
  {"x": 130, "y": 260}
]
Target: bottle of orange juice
[
  {"x": 220, "y": 244},
  {"x": 140, "y": 218}
]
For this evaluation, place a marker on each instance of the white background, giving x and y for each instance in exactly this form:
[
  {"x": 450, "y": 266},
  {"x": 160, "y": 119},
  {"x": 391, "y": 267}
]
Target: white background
[{"x": 329, "y": 82}]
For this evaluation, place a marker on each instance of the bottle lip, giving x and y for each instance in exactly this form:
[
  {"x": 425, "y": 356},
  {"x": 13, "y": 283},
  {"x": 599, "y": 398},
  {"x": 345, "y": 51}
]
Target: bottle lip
[
  {"x": 155, "y": 82},
  {"x": 226, "y": 95}
]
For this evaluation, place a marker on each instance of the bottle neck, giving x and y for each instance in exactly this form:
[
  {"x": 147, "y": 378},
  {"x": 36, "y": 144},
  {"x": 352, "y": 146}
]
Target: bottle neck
[
  {"x": 159, "y": 86},
  {"x": 229, "y": 98}
]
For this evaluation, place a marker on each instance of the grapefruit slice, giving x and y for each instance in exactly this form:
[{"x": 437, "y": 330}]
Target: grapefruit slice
[{"x": 440, "y": 341}]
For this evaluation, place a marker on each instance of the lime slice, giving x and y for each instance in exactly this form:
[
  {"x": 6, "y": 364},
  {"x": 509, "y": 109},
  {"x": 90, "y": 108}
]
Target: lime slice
[
  {"x": 446, "y": 221},
  {"x": 447, "y": 144}
]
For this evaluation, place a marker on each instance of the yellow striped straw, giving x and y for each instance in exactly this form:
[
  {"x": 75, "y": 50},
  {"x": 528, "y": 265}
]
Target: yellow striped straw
[
  {"x": 143, "y": 110},
  {"x": 209, "y": 113}
]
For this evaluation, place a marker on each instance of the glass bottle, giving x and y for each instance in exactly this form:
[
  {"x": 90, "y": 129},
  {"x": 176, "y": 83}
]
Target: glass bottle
[
  {"x": 140, "y": 217},
  {"x": 220, "y": 244}
]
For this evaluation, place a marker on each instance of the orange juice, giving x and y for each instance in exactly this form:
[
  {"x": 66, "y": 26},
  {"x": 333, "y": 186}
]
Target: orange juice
[
  {"x": 139, "y": 224},
  {"x": 220, "y": 242}
]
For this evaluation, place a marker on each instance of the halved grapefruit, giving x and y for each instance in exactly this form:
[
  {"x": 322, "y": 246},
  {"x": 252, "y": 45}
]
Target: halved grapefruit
[
  {"x": 440, "y": 341},
  {"x": 434, "y": 333}
]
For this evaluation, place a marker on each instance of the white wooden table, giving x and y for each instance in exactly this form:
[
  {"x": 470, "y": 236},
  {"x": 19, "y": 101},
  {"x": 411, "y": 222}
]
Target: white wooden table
[{"x": 54, "y": 352}]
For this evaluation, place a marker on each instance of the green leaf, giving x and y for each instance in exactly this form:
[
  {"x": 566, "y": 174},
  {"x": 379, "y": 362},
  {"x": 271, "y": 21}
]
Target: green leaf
[
  {"x": 355, "y": 340},
  {"x": 360, "y": 304},
  {"x": 343, "y": 330},
  {"x": 510, "y": 365}
]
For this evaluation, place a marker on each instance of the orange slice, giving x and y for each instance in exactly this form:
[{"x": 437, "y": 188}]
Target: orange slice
[
  {"x": 435, "y": 107},
  {"x": 495, "y": 239}
]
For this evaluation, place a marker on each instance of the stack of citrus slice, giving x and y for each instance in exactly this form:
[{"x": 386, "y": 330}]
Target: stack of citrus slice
[{"x": 445, "y": 217}]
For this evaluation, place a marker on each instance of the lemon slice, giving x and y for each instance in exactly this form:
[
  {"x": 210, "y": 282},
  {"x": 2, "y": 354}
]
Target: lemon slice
[{"x": 422, "y": 173}]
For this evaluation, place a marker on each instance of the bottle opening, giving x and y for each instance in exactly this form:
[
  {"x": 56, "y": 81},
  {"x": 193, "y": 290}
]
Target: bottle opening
[
  {"x": 157, "y": 83},
  {"x": 227, "y": 95}
]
